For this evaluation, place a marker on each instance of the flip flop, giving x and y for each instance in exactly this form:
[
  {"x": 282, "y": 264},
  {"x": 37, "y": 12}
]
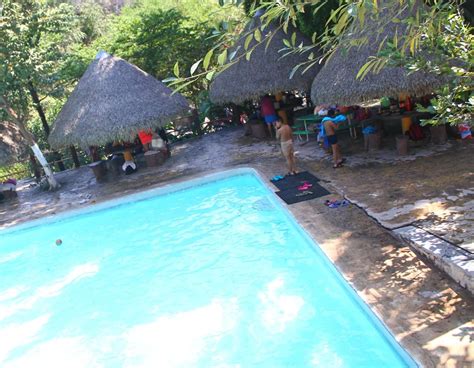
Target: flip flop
[
  {"x": 342, "y": 161},
  {"x": 338, "y": 165},
  {"x": 277, "y": 178},
  {"x": 305, "y": 186}
]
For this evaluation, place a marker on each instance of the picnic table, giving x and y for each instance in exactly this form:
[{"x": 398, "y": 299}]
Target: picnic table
[
  {"x": 395, "y": 118},
  {"x": 303, "y": 124}
]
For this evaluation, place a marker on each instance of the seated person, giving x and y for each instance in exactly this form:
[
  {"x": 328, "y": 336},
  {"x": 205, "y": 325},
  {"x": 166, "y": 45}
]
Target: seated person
[{"x": 129, "y": 166}]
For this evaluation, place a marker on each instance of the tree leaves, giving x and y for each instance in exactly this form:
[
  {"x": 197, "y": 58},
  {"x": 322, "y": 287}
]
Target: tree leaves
[
  {"x": 222, "y": 58},
  {"x": 176, "y": 69},
  {"x": 207, "y": 59},
  {"x": 195, "y": 66},
  {"x": 258, "y": 35},
  {"x": 210, "y": 75},
  {"x": 248, "y": 55},
  {"x": 248, "y": 39}
]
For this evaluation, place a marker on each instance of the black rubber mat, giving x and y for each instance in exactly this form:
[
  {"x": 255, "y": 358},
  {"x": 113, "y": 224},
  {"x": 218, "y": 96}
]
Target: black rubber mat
[
  {"x": 293, "y": 195},
  {"x": 294, "y": 181}
]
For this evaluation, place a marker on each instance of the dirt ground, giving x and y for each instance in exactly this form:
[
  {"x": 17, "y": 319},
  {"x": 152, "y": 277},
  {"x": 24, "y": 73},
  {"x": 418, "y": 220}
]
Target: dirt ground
[
  {"x": 431, "y": 316},
  {"x": 432, "y": 188}
]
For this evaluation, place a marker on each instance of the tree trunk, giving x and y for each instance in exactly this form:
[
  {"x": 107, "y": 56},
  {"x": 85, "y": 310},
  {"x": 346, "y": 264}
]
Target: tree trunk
[
  {"x": 39, "y": 108},
  {"x": 44, "y": 122},
  {"x": 53, "y": 184},
  {"x": 35, "y": 168},
  {"x": 196, "y": 123},
  {"x": 94, "y": 153},
  {"x": 75, "y": 159},
  {"x": 236, "y": 110}
]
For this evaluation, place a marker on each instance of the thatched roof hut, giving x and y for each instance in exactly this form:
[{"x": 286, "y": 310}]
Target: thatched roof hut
[
  {"x": 113, "y": 101},
  {"x": 13, "y": 147},
  {"x": 337, "y": 83},
  {"x": 267, "y": 71}
]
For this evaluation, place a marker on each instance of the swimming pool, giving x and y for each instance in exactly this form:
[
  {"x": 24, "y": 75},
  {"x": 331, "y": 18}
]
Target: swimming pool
[{"x": 208, "y": 273}]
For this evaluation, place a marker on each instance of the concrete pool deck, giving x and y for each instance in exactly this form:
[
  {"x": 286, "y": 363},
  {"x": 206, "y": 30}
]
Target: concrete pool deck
[{"x": 429, "y": 313}]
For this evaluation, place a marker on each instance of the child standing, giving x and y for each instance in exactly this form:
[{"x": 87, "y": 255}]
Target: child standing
[
  {"x": 285, "y": 135},
  {"x": 329, "y": 124}
]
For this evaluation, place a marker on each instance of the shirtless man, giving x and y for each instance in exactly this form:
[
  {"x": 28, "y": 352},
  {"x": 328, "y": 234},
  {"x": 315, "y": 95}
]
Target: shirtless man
[
  {"x": 285, "y": 135},
  {"x": 330, "y": 132}
]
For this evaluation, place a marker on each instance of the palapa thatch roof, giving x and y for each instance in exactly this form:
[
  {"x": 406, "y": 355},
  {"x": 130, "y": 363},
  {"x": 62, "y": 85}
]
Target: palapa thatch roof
[
  {"x": 336, "y": 82},
  {"x": 13, "y": 147},
  {"x": 113, "y": 101},
  {"x": 267, "y": 71}
]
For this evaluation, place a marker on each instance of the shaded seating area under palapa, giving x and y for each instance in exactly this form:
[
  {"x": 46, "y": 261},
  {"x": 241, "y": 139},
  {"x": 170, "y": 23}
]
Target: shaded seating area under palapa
[
  {"x": 336, "y": 83},
  {"x": 267, "y": 71},
  {"x": 112, "y": 102}
]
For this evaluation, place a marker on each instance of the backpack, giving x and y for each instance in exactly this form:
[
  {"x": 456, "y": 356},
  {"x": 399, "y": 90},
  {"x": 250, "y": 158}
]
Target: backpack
[{"x": 415, "y": 132}]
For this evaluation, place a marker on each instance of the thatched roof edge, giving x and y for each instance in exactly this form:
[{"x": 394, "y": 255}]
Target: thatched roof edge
[
  {"x": 266, "y": 71},
  {"x": 113, "y": 101},
  {"x": 336, "y": 82}
]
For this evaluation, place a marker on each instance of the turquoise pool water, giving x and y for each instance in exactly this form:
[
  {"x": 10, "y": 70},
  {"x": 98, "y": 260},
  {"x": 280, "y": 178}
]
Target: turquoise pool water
[{"x": 214, "y": 275}]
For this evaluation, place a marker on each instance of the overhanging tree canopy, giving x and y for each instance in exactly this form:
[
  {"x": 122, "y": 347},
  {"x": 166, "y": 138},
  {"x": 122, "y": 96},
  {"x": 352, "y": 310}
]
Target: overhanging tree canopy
[
  {"x": 13, "y": 146},
  {"x": 337, "y": 81},
  {"x": 266, "y": 71}
]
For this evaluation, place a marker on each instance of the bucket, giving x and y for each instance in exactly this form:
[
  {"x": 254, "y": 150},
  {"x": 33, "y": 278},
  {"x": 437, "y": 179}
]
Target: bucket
[
  {"x": 154, "y": 158},
  {"x": 438, "y": 134},
  {"x": 99, "y": 169},
  {"x": 406, "y": 122},
  {"x": 114, "y": 165},
  {"x": 258, "y": 130},
  {"x": 8, "y": 194},
  {"x": 374, "y": 141},
  {"x": 402, "y": 145}
]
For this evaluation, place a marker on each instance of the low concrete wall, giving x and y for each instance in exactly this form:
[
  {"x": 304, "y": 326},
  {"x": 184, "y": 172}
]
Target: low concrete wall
[{"x": 456, "y": 262}]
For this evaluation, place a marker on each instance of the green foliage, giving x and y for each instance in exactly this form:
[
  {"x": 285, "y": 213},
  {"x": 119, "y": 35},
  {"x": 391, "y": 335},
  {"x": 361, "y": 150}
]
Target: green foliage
[
  {"x": 33, "y": 38},
  {"x": 93, "y": 21},
  {"x": 446, "y": 45},
  {"x": 438, "y": 29},
  {"x": 157, "y": 34},
  {"x": 312, "y": 20},
  {"x": 250, "y": 6},
  {"x": 154, "y": 40},
  {"x": 18, "y": 170},
  {"x": 452, "y": 56}
]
